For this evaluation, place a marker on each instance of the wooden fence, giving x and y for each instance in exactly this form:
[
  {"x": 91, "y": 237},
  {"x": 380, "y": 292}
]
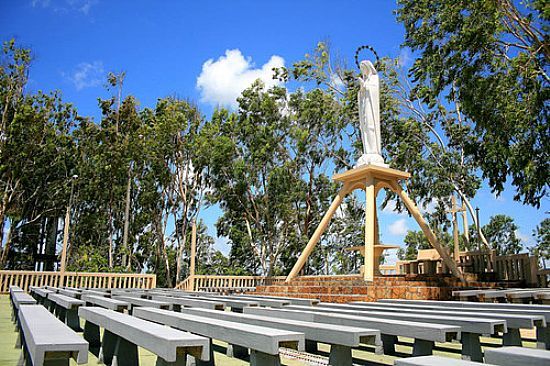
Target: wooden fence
[
  {"x": 201, "y": 282},
  {"x": 25, "y": 279}
]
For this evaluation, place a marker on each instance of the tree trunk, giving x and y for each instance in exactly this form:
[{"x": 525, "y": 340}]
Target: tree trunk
[{"x": 125, "y": 261}]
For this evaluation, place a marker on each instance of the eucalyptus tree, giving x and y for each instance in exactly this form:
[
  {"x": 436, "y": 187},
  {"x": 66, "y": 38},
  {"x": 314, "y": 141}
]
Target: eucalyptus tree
[{"x": 490, "y": 58}]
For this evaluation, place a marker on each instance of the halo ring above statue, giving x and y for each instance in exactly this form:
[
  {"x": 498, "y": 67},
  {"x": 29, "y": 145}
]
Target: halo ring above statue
[{"x": 368, "y": 100}]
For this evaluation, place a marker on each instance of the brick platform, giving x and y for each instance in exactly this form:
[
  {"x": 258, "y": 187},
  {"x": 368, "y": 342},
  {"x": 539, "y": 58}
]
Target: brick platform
[{"x": 344, "y": 289}]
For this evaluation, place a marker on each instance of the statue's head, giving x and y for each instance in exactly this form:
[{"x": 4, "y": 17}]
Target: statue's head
[{"x": 367, "y": 68}]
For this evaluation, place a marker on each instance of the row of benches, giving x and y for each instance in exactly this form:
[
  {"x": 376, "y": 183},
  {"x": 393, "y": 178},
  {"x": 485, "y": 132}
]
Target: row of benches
[
  {"x": 291, "y": 315},
  {"x": 539, "y": 296}
]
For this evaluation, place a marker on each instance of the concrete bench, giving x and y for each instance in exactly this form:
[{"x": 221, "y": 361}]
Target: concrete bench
[
  {"x": 340, "y": 338},
  {"x": 123, "y": 333},
  {"x": 66, "y": 309},
  {"x": 292, "y": 300},
  {"x": 263, "y": 342},
  {"x": 542, "y": 334},
  {"x": 274, "y": 303},
  {"x": 513, "y": 322},
  {"x": 235, "y": 305},
  {"x": 483, "y": 305},
  {"x": 471, "y": 328},
  {"x": 136, "y": 302},
  {"x": 514, "y": 356},
  {"x": 128, "y": 292},
  {"x": 69, "y": 293},
  {"x": 105, "y": 302},
  {"x": 96, "y": 293},
  {"x": 19, "y": 298},
  {"x": 434, "y": 361},
  {"x": 47, "y": 341},
  {"x": 41, "y": 295},
  {"x": 424, "y": 335},
  {"x": 178, "y": 302}
]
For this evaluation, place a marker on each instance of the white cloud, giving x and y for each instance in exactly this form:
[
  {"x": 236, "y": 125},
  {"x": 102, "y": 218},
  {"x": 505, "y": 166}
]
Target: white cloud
[
  {"x": 398, "y": 227},
  {"x": 405, "y": 58},
  {"x": 524, "y": 238},
  {"x": 390, "y": 209},
  {"x": 86, "y": 75},
  {"x": 222, "y": 81},
  {"x": 82, "y": 6}
]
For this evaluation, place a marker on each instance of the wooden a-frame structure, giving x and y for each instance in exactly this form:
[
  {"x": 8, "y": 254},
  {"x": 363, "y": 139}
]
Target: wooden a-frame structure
[{"x": 371, "y": 179}]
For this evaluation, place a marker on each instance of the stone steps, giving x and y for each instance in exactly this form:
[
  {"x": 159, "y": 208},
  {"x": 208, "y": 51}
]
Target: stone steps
[{"x": 353, "y": 288}]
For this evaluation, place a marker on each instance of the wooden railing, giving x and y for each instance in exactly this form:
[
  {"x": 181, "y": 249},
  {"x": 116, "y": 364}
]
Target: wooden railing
[
  {"x": 25, "y": 279},
  {"x": 543, "y": 276},
  {"x": 477, "y": 262},
  {"x": 517, "y": 267},
  {"x": 201, "y": 282}
]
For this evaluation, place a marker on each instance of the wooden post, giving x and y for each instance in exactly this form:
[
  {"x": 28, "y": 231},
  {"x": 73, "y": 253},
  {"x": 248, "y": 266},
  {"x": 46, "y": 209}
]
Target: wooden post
[
  {"x": 318, "y": 232},
  {"x": 455, "y": 229},
  {"x": 370, "y": 228},
  {"x": 64, "y": 249},
  {"x": 193, "y": 253},
  {"x": 466, "y": 229},
  {"x": 415, "y": 212}
]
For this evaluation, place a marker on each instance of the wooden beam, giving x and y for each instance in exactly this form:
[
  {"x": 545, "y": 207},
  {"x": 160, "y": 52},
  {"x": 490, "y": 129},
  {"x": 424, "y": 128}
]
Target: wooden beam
[
  {"x": 415, "y": 212},
  {"x": 193, "y": 254},
  {"x": 370, "y": 228},
  {"x": 318, "y": 232},
  {"x": 456, "y": 250}
]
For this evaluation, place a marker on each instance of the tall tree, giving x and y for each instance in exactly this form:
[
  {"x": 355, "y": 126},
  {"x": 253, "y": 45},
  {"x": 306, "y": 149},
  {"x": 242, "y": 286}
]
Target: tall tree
[
  {"x": 491, "y": 56},
  {"x": 501, "y": 232}
]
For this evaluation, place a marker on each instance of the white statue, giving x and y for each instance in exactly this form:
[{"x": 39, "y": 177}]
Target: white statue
[{"x": 369, "y": 116}]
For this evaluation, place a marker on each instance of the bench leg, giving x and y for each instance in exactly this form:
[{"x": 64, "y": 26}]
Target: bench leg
[
  {"x": 263, "y": 359},
  {"x": 236, "y": 351},
  {"x": 388, "y": 343},
  {"x": 311, "y": 346},
  {"x": 126, "y": 353},
  {"x": 107, "y": 350},
  {"x": 543, "y": 338},
  {"x": 195, "y": 361},
  {"x": 181, "y": 360},
  {"x": 61, "y": 313},
  {"x": 422, "y": 347},
  {"x": 511, "y": 338},
  {"x": 92, "y": 335},
  {"x": 73, "y": 321},
  {"x": 340, "y": 355},
  {"x": 471, "y": 348}
]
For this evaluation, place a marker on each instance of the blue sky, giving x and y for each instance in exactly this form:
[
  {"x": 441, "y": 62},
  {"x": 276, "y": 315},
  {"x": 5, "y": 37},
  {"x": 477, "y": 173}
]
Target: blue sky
[{"x": 164, "y": 47}]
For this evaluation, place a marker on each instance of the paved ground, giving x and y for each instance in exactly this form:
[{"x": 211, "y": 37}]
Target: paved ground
[{"x": 363, "y": 356}]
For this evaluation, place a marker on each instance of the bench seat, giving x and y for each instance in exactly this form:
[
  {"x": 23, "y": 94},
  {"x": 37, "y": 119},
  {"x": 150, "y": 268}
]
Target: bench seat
[
  {"x": 104, "y": 302},
  {"x": 46, "y": 340},
  {"x": 123, "y": 333},
  {"x": 424, "y": 334},
  {"x": 264, "y": 342},
  {"x": 514, "y": 356},
  {"x": 66, "y": 309},
  {"x": 435, "y": 361},
  {"x": 136, "y": 302},
  {"x": 340, "y": 338},
  {"x": 179, "y": 302}
]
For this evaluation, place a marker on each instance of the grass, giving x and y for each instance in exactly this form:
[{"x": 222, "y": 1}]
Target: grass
[{"x": 9, "y": 355}]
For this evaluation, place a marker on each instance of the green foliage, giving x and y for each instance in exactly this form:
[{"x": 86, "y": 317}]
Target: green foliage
[
  {"x": 542, "y": 240},
  {"x": 492, "y": 58},
  {"x": 501, "y": 232}
]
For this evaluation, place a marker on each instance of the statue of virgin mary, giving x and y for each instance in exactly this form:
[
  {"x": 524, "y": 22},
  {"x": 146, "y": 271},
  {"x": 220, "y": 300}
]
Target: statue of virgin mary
[{"x": 369, "y": 116}]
